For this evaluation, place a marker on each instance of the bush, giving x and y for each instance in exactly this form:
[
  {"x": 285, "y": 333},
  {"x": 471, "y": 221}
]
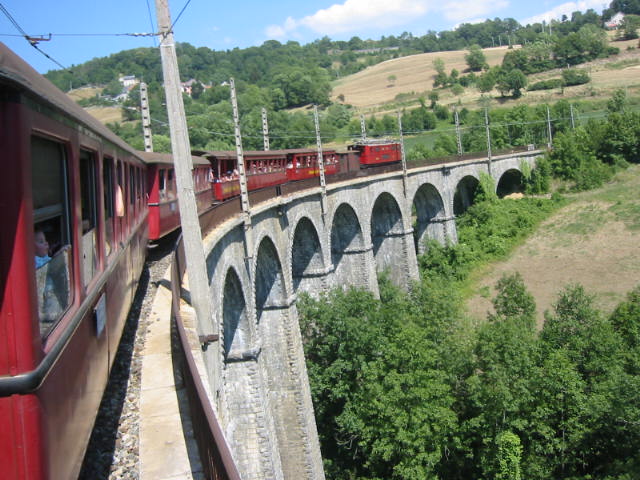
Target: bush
[
  {"x": 441, "y": 112},
  {"x": 546, "y": 84},
  {"x": 574, "y": 76}
]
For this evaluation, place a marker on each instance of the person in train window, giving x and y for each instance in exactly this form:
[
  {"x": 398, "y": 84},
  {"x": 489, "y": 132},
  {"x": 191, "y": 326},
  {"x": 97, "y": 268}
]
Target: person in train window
[{"x": 42, "y": 249}]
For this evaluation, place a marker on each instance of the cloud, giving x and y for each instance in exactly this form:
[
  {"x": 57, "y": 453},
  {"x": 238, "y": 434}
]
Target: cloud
[
  {"x": 564, "y": 9},
  {"x": 352, "y": 15},
  {"x": 464, "y": 11}
]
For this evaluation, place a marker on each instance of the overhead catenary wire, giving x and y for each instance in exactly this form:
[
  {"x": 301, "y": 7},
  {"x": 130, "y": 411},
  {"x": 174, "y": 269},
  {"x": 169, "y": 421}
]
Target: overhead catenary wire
[{"x": 33, "y": 40}]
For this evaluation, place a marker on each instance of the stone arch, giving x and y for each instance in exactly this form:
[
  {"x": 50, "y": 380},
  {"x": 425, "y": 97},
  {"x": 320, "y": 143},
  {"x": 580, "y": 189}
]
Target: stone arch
[
  {"x": 387, "y": 237},
  {"x": 429, "y": 216},
  {"x": 307, "y": 261},
  {"x": 511, "y": 181},
  {"x": 279, "y": 357},
  {"x": 465, "y": 195},
  {"x": 348, "y": 248},
  {"x": 235, "y": 322},
  {"x": 246, "y": 416},
  {"x": 269, "y": 279}
]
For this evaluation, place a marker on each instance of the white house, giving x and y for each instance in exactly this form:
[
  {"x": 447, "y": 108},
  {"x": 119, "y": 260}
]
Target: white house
[
  {"x": 128, "y": 81},
  {"x": 615, "y": 21}
]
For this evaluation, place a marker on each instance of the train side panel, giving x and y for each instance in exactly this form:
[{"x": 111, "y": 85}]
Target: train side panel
[{"x": 60, "y": 322}]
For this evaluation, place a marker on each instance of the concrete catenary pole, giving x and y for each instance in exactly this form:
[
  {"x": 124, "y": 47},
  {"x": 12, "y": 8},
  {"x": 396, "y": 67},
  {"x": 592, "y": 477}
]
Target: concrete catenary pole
[
  {"x": 402, "y": 155},
  {"x": 323, "y": 183},
  {"x": 265, "y": 130},
  {"x": 244, "y": 189},
  {"x": 458, "y": 137},
  {"x": 146, "y": 118},
  {"x": 550, "y": 135},
  {"x": 486, "y": 125},
  {"x": 181, "y": 148},
  {"x": 242, "y": 173},
  {"x": 363, "y": 128},
  {"x": 573, "y": 122}
]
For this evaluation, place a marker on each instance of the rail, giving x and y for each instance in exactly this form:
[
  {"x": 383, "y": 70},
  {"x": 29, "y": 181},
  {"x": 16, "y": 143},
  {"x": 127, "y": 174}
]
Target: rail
[{"x": 215, "y": 455}]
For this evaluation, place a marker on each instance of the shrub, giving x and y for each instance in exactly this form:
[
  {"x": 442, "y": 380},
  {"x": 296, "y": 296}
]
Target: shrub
[
  {"x": 546, "y": 84},
  {"x": 573, "y": 76}
]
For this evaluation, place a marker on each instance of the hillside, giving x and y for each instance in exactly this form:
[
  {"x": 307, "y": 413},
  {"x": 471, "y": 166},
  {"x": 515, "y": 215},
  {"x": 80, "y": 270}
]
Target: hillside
[
  {"x": 370, "y": 90},
  {"x": 371, "y": 87},
  {"x": 594, "y": 241}
]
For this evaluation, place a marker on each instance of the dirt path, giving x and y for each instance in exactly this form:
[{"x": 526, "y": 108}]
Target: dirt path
[{"x": 594, "y": 241}]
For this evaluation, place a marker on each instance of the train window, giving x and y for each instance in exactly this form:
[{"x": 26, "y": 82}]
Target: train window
[
  {"x": 107, "y": 185},
  {"x": 132, "y": 185},
  {"x": 52, "y": 231},
  {"x": 89, "y": 209},
  {"x": 171, "y": 188},
  {"x": 138, "y": 184},
  {"x": 120, "y": 200},
  {"x": 161, "y": 184}
]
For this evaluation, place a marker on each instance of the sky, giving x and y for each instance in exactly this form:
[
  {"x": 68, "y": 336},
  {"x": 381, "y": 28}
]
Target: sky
[{"x": 82, "y": 29}]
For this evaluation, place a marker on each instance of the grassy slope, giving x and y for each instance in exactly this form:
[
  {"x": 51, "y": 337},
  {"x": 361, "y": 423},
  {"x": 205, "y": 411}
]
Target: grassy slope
[
  {"x": 370, "y": 90},
  {"x": 103, "y": 114},
  {"x": 594, "y": 241}
]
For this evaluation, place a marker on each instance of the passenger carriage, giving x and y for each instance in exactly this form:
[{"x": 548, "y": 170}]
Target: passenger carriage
[
  {"x": 164, "y": 214},
  {"x": 70, "y": 179}
]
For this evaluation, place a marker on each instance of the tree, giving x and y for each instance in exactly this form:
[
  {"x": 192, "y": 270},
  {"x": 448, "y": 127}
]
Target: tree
[
  {"x": 392, "y": 79},
  {"x": 629, "y": 27},
  {"x": 513, "y": 81},
  {"x": 433, "y": 97},
  {"x": 513, "y": 300},
  {"x": 440, "y": 78},
  {"x": 486, "y": 81},
  {"x": 618, "y": 101},
  {"x": 508, "y": 456},
  {"x": 475, "y": 58}
]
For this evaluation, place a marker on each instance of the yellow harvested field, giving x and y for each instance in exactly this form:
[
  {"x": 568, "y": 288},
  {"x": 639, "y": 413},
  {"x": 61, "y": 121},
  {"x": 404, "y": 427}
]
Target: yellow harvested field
[
  {"x": 371, "y": 87},
  {"x": 106, "y": 114},
  {"x": 85, "y": 92},
  {"x": 371, "y": 90}
]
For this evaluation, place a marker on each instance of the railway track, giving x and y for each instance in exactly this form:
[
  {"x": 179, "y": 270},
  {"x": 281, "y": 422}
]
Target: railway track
[{"x": 113, "y": 450}]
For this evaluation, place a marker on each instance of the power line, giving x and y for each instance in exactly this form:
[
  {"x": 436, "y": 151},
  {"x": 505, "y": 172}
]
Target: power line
[
  {"x": 179, "y": 15},
  {"x": 155, "y": 44},
  {"x": 33, "y": 40}
]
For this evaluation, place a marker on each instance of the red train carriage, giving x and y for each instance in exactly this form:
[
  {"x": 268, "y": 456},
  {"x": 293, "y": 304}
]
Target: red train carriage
[
  {"x": 377, "y": 152},
  {"x": 73, "y": 243},
  {"x": 266, "y": 168},
  {"x": 164, "y": 214},
  {"x": 263, "y": 169},
  {"x": 303, "y": 164}
]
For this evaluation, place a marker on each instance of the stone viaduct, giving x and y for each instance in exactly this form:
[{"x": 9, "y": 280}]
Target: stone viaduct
[{"x": 310, "y": 242}]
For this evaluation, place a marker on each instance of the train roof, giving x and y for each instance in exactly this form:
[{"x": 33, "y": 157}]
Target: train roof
[
  {"x": 232, "y": 154},
  {"x": 167, "y": 158},
  {"x": 376, "y": 141},
  {"x": 18, "y": 73}
]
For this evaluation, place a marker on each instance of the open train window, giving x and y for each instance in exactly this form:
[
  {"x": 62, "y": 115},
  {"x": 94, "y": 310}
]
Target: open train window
[
  {"x": 52, "y": 230},
  {"x": 161, "y": 184},
  {"x": 89, "y": 209},
  {"x": 171, "y": 184},
  {"x": 108, "y": 190},
  {"x": 132, "y": 185}
]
